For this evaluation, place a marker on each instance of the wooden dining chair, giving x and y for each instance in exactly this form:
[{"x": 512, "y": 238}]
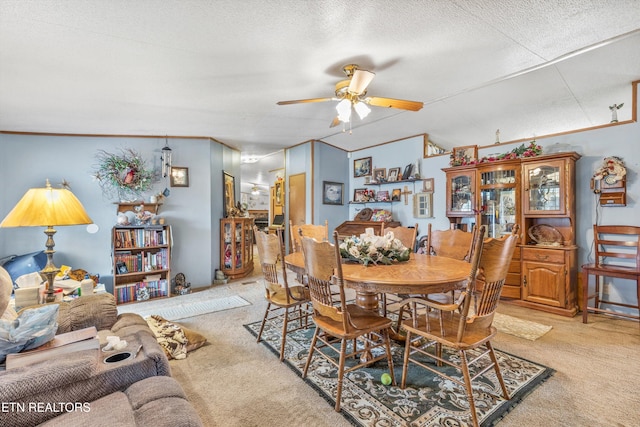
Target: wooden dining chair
[
  {"x": 287, "y": 304},
  {"x": 337, "y": 322},
  {"x": 318, "y": 232},
  {"x": 407, "y": 235},
  {"x": 455, "y": 243},
  {"x": 617, "y": 255},
  {"x": 455, "y": 326}
]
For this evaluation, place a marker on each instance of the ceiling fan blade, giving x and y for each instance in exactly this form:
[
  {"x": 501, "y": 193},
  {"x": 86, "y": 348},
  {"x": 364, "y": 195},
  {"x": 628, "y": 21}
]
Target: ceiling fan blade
[
  {"x": 393, "y": 103},
  {"x": 304, "y": 101},
  {"x": 335, "y": 122},
  {"x": 360, "y": 81}
]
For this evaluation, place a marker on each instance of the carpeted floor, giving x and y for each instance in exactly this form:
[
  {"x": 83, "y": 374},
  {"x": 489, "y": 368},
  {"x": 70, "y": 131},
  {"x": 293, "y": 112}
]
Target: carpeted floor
[
  {"x": 429, "y": 400},
  {"x": 184, "y": 306}
]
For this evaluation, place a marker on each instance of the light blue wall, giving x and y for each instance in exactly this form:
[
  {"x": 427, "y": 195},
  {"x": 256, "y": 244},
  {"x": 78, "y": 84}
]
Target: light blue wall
[
  {"x": 331, "y": 164},
  {"x": 193, "y": 212},
  {"x": 620, "y": 140}
]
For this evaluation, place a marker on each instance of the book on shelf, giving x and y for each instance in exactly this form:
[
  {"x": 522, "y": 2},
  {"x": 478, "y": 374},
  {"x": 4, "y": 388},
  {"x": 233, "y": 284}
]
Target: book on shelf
[{"x": 61, "y": 344}]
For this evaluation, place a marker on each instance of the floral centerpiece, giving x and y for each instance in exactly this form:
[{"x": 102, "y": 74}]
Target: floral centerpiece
[
  {"x": 371, "y": 249},
  {"x": 124, "y": 175}
]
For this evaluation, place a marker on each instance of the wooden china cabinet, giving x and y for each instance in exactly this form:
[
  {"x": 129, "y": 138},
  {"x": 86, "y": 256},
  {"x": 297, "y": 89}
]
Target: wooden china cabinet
[
  {"x": 538, "y": 193},
  {"x": 236, "y": 246}
]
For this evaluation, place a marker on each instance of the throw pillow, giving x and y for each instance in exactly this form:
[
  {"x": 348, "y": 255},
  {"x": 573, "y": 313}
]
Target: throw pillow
[
  {"x": 30, "y": 329},
  {"x": 170, "y": 337},
  {"x": 195, "y": 340}
]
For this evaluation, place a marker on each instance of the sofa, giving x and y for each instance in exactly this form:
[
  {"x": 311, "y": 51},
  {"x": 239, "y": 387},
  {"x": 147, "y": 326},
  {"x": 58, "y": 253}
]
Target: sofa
[{"x": 82, "y": 390}]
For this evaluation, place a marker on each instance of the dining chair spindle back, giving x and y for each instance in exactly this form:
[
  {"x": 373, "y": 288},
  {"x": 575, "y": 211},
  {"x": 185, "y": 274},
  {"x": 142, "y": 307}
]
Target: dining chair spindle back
[{"x": 339, "y": 323}]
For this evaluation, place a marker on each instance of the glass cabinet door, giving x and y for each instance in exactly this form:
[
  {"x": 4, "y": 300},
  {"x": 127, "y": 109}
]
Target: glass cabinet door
[
  {"x": 499, "y": 201},
  {"x": 543, "y": 188},
  {"x": 461, "y": 187}
]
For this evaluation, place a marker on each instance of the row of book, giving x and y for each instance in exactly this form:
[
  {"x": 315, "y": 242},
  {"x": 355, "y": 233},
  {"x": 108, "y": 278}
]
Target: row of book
[
  {"x": 141, "y": 291},
  {"x": 140, "y": 237},
  {"x": 142, "y": 261}
]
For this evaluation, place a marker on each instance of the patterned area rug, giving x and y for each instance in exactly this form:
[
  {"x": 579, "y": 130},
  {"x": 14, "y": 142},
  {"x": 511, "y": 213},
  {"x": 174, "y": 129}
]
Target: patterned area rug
[
  {"x": 428, "y": 399},
  {"x": 183, "y": 306}
]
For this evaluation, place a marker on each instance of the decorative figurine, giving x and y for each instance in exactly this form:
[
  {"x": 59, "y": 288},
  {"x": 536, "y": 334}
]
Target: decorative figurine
[{"x": 614, "y": 112}]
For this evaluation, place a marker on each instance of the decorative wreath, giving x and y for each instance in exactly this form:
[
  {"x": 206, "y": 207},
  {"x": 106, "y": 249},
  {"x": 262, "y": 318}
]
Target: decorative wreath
[{"x": 124, "y": 175}]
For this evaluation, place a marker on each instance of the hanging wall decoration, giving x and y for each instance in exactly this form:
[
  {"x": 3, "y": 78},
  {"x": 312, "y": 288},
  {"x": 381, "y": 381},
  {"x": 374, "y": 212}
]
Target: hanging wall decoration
[{"x": 124, "y": 175}]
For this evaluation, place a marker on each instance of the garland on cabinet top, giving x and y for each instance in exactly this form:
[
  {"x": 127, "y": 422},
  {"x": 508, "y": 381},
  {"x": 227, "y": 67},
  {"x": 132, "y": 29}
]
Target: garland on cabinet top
[
  {"x": 531, "y": 150},
  {"x": 124, "y": 175}
]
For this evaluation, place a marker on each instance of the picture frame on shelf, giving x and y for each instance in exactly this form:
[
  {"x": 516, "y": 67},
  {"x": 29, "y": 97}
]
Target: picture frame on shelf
[
  {"x": 407, "y": 172},
  {"x": 393, "y": 174},
  {"x": 362, "y": 167},
  {"x": 427, "y": 185},
  {"x": 465, "y": 155},
  {"x": 396, "y": 193},
  {"x": 229, "y": 192},
  {"x": 332, "y": 193},
  {"x": 121, "y": 268},
  {"x": 423, "y": 205},
  {"x": 179, "y": 176},
  {"x": 380, "y": 174},
  {"x": 279, "y": 193},
  {"x": 360, "y": 195},
  {"x": 382, "y": 196}
]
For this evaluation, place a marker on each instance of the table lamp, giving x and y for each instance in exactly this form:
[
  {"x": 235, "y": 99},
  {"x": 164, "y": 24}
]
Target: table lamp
[{"x": 47, "y": 207}]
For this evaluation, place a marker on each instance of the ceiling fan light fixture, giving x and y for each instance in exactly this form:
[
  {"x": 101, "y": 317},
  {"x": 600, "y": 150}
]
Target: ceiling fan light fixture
[
  {"x": 344, "y": 110},
  {"x": 362, "y": 109}
]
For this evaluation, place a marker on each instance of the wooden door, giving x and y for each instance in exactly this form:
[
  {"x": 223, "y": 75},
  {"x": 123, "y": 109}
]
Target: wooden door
[{"x": 298, "y": 198}]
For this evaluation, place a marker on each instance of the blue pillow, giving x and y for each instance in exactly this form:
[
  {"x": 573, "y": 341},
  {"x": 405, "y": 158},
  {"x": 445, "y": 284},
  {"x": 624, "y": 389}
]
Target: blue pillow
[
  {"x": 25, "y": 264},
  {"x": 32, "y": 328}
]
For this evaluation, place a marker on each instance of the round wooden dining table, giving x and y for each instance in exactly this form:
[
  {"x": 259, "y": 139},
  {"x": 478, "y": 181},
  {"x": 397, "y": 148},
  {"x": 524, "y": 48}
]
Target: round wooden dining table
[{"x": 421, "y": 274}]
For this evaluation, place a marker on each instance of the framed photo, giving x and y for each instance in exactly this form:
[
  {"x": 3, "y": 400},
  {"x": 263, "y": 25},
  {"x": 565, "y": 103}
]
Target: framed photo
[
  {"x": 423, "y": 205},
  {"x": 395, "y": 194},
  {"x": 382, "y": 196},
  {"x": 279, "y": 193},
  {"x": 393, "y": 174},
  {"x": 229, "y": 192},
  {"x": 427, "y": 185},
  {"x": 380, "y": 174},
  {"x": 407, "y": 171},
  {"x": 179, "y": 177},
  {"x": 465, "y": 155},
  {"x": 362, "y": 167},
  {"x": 332, "y": 193},
  {"x": 360, "y": 195},
  {"x": 121, "y": 268}
]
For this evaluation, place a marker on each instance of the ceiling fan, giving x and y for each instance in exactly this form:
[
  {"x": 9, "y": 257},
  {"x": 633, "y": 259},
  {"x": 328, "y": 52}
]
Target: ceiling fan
[{"x": 351, "y": 94}]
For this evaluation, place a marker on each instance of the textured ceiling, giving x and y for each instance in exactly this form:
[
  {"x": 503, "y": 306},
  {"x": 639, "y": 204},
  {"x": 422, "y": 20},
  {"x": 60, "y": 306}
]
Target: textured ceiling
[{"x": 217, "y": 68}]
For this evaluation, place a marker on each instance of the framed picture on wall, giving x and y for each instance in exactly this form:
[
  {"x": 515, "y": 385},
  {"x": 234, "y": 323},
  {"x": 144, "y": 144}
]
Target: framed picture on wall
[
  {"x": 279, "y": 193},
  {"x": 229, "y": 192},
  {"x": 362, "y": 167},
  {"x": 332, "y": 193},
  {"x": 179, "y": 177},
  {"x": 423, "y": 205},
  {"x": 427, "y": 185}
]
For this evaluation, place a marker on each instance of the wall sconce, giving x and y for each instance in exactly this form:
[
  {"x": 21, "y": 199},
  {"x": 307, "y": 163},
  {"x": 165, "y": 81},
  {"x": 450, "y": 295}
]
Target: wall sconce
[{"x": 166, "y": 159}]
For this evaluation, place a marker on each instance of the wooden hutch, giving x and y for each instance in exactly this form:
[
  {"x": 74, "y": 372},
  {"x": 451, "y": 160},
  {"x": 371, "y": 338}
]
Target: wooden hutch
[{"x": 538, "y": 193}]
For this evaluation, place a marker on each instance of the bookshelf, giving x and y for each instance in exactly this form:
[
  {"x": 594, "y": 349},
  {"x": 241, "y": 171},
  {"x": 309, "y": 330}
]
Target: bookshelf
[{"x": 141, "y": 258}]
